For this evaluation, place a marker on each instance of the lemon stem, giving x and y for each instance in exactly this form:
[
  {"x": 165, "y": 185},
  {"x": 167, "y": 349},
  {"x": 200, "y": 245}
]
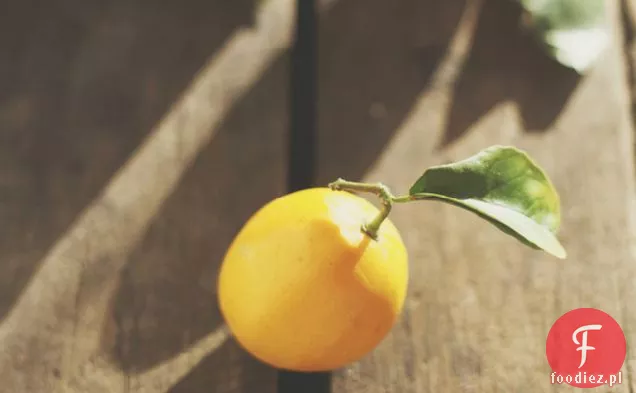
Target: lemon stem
[{"x": 371, "y": 228}]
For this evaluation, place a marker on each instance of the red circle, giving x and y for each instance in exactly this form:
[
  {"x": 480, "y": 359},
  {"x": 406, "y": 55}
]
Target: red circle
[{"x": 599, "y": 349}]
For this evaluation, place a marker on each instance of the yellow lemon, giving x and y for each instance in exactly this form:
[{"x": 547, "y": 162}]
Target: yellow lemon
[{"x": 301, "y": 286}]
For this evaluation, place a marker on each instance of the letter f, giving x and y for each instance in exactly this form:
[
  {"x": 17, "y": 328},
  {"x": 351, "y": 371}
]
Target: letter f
[{"x": 584, "y": 347}]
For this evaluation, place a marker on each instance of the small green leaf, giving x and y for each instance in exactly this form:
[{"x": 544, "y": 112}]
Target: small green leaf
[
  {"x": 504, "y": 186},
  {"x": 574, "y": 32}
]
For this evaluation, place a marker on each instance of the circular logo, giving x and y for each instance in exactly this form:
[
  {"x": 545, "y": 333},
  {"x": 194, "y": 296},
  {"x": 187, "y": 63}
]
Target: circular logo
[{"x": 586, "y": 348}]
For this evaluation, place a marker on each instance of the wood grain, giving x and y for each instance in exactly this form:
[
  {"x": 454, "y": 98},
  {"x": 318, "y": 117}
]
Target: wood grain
[
  {"x": 480, "y": 304},
  {"x": 138, "y": 138}
]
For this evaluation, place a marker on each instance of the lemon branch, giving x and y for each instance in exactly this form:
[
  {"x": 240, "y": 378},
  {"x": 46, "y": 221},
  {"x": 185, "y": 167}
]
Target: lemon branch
[
  {"x": 518, "y": 197},
  {"x": 378, "y": 189}
]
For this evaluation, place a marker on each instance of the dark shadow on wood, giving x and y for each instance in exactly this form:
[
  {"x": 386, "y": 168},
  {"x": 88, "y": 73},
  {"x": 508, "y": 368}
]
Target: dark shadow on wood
[
  {"x": 244, "y": 379},
  {"x": 507, "y": 63},
  {"x": 292, "y": 382},
  {"x": 168, "y": 290},
  {"x": 376, "y": 57},
  {"x": 83, "y": 82},
  {"x": 303, "y": 98}
]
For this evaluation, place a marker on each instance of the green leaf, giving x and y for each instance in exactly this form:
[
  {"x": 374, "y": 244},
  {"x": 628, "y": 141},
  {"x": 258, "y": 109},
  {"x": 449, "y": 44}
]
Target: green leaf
[
  {"x": 574, "y": 32},
  {"x": 504, "y": 186}
]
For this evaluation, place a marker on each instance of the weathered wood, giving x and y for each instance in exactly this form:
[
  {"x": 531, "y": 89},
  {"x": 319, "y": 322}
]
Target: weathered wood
[
  {"x": 480, "y": 304},
  {"x": 124, "y": 175},
  {"x": 137, "y": 138}
]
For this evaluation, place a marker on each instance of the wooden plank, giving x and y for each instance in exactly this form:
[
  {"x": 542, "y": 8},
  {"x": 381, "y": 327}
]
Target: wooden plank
[
  {"x": 480, "y": 304},
  {"x": 131, "y": 136}
]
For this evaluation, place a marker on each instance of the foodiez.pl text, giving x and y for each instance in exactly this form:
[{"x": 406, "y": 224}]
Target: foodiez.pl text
[{"x": 584, "y": 377}]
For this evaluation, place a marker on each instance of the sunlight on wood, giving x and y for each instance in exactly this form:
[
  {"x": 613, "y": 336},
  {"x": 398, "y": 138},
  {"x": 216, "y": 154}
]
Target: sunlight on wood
[
  {"x": 168, "y": 373},
  {"x": 50, "y": 319},
  {"x": 434, "y": 102},
  {"x": 100, "y": 375}
]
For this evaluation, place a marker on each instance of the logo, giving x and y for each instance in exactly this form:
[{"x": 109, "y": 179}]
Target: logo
[{"x": 586, "y": 348}]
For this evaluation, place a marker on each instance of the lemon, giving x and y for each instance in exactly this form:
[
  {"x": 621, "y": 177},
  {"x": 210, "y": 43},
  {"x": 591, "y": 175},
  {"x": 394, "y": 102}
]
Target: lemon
[{"x": 302, "y": 288}]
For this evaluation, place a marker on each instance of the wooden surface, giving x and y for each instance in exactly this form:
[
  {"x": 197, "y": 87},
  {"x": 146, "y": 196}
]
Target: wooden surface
[
  {"x": 480, "y": 304},
  {"x": 137, "y": 138}
]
